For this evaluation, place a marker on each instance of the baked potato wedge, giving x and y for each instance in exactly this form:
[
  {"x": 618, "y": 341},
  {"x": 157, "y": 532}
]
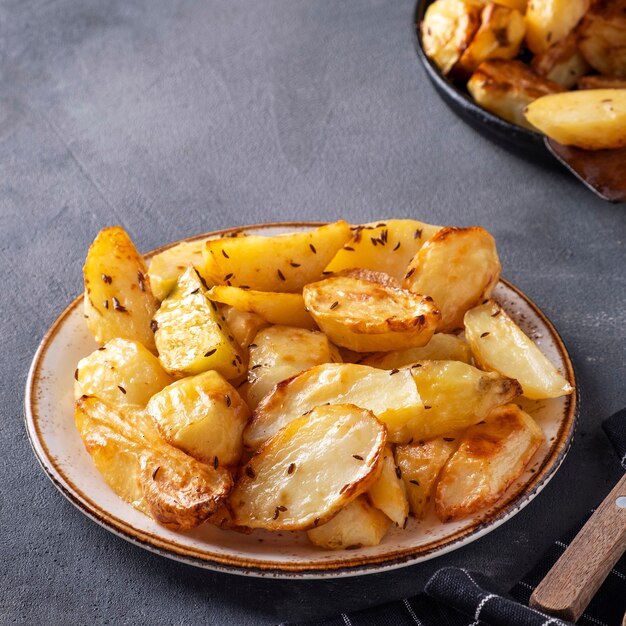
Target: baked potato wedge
[
  {"x": 600, "y": 81},
  {"x": 458, "y": 267},
  {"x": 420, "y": 464},
  {"x": 191, "y": 334},
  {"x": 156, "y": 478},
  {"x": 310, "y": 469},
  {"x": 506, "y": 87},
  {"x": 388, "y": 493},
  {"x": 283, "y": 263},
  {"x": 284, "y": 309},
  {"x": 391, "y": 396},
  {"x": 562, "y": 63},
  {"x": 357, "y": 525},
  {"x": 118, "y": 299},
  {"x": 499, "y": 344},
  {"x": 203, "y": 416},
  {"x": 490, "y": 457},
  {"x": 366, "y": 316},
  {"x": 549, "y": 21},
  {"x": 122, "y": 372},
  {"x": 593, "y": 119},
  {"x": 243, "y": 325}
]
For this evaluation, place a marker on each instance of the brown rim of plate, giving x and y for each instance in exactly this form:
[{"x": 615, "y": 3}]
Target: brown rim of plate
[{"x": 353, "y": 566}]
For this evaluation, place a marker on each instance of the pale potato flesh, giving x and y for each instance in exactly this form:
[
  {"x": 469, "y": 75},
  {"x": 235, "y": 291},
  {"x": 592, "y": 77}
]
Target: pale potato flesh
[
  {"x": 202, "y": 415},
  {"x": 388, "y": 492},
  {"x": 118, "y": 300},
  {"x": 283, "y": 263},
  {"x": 458, "y": 267},
  {"x": 563, "y": 62},
  {"x": 310, "y": 469},
  {"x": 357, "y": 525},
  {"x": 243, "y": 325},
  {"x": 593, "y": 119},
  {"x": 499, "y": 344},
  {"x": 121, "y": 372},
  {"x": 367, "y": 316},
  {"x": 490, "y": 457},
  {"x": 549, "y": 21},
  {"x": 391, "y": 396}
]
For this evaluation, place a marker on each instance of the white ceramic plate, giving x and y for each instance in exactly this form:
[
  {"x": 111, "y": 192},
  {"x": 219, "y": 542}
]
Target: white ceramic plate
[{"x": 50, "y": 425}]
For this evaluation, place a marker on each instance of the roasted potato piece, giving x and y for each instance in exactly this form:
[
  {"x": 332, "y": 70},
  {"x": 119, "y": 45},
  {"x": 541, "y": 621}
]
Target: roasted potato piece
[
  {"x": 167, "y": 266},
  {"x": 156, "y": 478},
  {"x": 458, "y": 267},
  {"x": 441, "y": 347},
  {"x": 357, "y": 525},
  {"x": 366, "y": 316},
  {"x": 447, "y": 29},
  {"x": 280, "y": 352},
  {"x": 383, "y": 247},
  {"x": 603, "y": 37},
  {"x": 490, "y": 457},
  {"x": 420, "y": 464},
  {"x": 599, "y": 81},
  {"x": 518, "y": 5},
  {"x": 243, "y": 325},
  {"x": 391, "y": 396},
  {"x": 310, "y": 469},
  {"x": 191, "y": 335},
  {"x": 593, "y": 119},
  {"x": 118, "y": 298},
  {"x": 388, "y": 493},
  {"x": 563, "y": 62},
  {"x": 505, "y": 88},
  {"x": 500, "y": 345},
  {"x": 455, "y": 396},
  {"x": 202, "y": 415},
  {"x": 284, "y": 309},
  {"x": 499, "y": 37},
  {"x": 549, "y": 21},
  {"x": 122, "y": 372},
  {"x": 283, "y": 263}
]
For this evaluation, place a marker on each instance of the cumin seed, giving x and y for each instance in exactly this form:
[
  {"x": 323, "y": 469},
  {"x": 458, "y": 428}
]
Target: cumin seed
[
  {"x": 395, "y": 370},
  {"x": 294, "y": 264},
  {"x": 358, "y": 457},
  {"x": 122, "y": 389},
  {"x": 396, "y": 247},
  {"x": 250, "y": 472},
  {"x": 156, "y": 471},
  {"x": 484, "y": 335},
  {"x": 216, "y": 462},
  {"x": 313, "y": 250},
  {"x": 210, "y": 352},
  {"x": 106, "y": 279},
  {"x": 154, "y": 326},
  {"x": 118, "y": 306},
  {"x": 417, "y": 234},
  {"x": 414, "y": 482},
  {"x": 334, "y": 305},
  {"x": 141, "y": 280},
  {"x": 291, "y": 468},
  {"x": 280, "y": 275},
  {"x": 410, "y": 273},
  {"x": 398, "y": 472},
  {"x": 224, "y": 254}
]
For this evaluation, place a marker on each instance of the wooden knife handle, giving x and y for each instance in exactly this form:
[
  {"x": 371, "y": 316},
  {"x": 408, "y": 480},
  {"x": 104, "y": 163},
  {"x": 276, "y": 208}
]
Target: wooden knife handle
[{"x": 574, "y": 579}]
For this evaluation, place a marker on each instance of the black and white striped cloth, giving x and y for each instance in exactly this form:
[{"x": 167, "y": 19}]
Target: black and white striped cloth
[{"x": 457, "y": 597}]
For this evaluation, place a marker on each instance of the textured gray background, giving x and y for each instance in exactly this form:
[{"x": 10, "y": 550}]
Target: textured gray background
[{"x": 173, "y": 118}]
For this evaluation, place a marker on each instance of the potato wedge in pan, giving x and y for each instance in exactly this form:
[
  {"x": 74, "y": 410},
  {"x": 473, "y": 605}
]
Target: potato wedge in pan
[
  {"x": 310, "y": 469},
  {"x": 156, "y": 478},
  {"x": 118, "y": 298},
  {"x": 391, "y": 395},
  {"x": 563, "y": 62},
  {"x": 357, "y": 525},
  {"x": 367, "y": 316},
  {"x": 388, "y": 493},
  {"x": 490, "y": 457},
  {"x": 499, "y": 344},
  {"x": 458, "y": 267},
  {"x": 283, "y": 263}
]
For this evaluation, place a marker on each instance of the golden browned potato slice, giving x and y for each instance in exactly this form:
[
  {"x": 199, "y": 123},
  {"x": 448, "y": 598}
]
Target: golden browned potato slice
[
  {"x": 243, "y": 325},
  {"x": 285, "y": 309},
  {"x": 156, "y": 478},
  {"x": 388, "y": 493},
  {"x": 202, "y": 415},
  {"x": 593, "y": 119},
  {"x": 505, "y": 88},
  {"x": 455, "y": 396},
  {"x": 118, "y": 298},
  {"x": 365, "y": 316},
  {"x": 357, "y": 525},
  {"x": 310, "y": 469},
  {"x": 458, "y": 267},
  {"x": 549, "y": 21},
  {"x": 447, "y": 30},
  {"x": 499, "y": 37},
  {"x": 191, "y": 334},
  {"x": 500, "y": 345},
  {"x": 391, "y": 396},
  {"x": 280, "y": 263},
  {"x": 563, "y": 62},
  {"x": 280, "y": 352},
  {"x": 599, "y": 81},
  {"x": 603, "y": 37},
  {"x": 122, "y": 372},
  {"x": 420, "y": 464},
  {"x": 167, "y": 266},
  {"x": 491, "y": 456},
  {"x": 383, "y": 247},
  {"x": 441, "y": 347}
]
